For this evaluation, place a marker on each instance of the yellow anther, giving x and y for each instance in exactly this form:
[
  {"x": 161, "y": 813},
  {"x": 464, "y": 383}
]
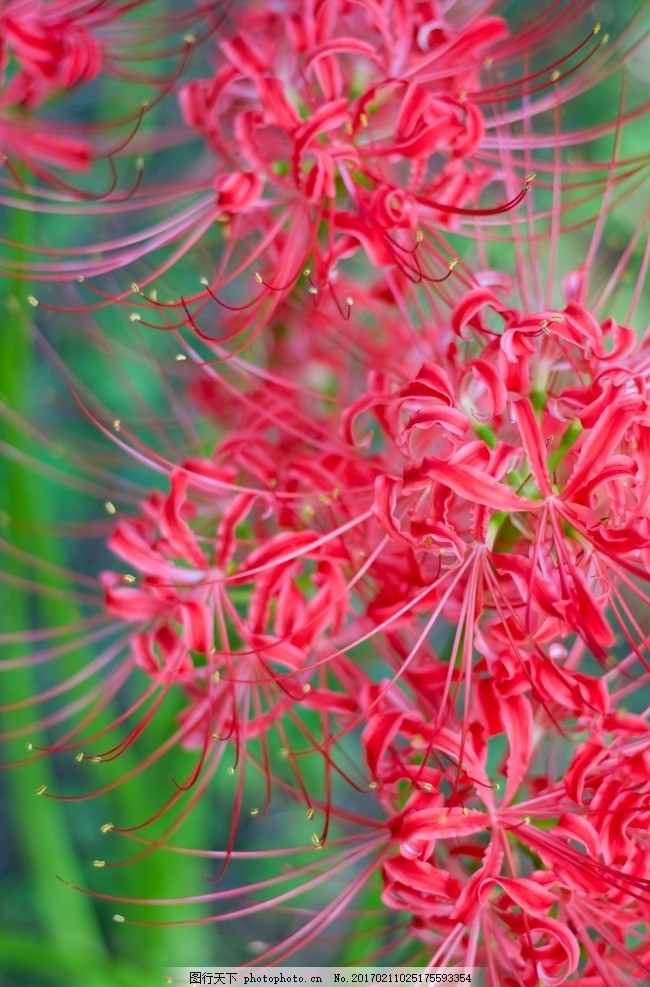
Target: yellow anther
[
  {"x": 107, "y": 827},
  {"x": 119, "y": 918},
  {"x": 128, "y": 577},
  {"x": 419, "y": 236},
  {"x": 255, "y": 812},
  {"x": 135, "y": 287},
  {"x": 306, "y": 688},
  {"x": 79, "y": 757},
  {"x": 309, "y": 813},
  {"x": 109, "y": 507},
  {"x": 372, "y": 785},
  {"x": 180, "y": 357},
  {"x": 32, "y": 300},
  {"x": 258, "y": 277},
  {"x": 134, "y": 317},
  {"x": 555, "y": 75},
  {"x": 117, "y": 424},
  {"x": 316, "y": 840},
  {"x": 465, "y": 810},
  {"x": 99, "y": 863},
  {"x": 41, "y": 790},
  {"x": 597, "y": 27}
]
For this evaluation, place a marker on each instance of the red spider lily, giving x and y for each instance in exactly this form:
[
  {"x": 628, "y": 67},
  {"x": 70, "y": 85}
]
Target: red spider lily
[
  {"x": 505, "y": 460},
  {"x": 501, "y": 491},
  {"x": 241, "y": 580},
  {"x": 240, "y": 631},
  {"x": 395, "y": 579},
  {"x": 54, "y": 52},
  {"x": 348, "y": 133},
  {"x": 49, "y": 49},
  {"x": 578, "y": 887},
  {"x": 540, "y": 884}
]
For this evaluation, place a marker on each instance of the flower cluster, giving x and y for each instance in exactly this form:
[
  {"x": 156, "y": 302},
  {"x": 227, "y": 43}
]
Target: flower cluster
[
  {"x": 395, "y": 578},
  {"x": 332, "y": 135}
]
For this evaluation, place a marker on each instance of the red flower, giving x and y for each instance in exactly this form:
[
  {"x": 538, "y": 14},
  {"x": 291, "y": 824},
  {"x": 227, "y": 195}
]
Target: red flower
[
  {"x": 535, "y": 900},
  {"x": 511, "y": 471},
  {"x": 49, "y": 49},
  {"x": 335, "y": 134},
  {"x": 405, "y": 530}
]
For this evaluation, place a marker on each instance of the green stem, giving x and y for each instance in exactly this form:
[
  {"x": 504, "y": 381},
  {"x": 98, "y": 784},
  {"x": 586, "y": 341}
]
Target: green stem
[{"x": 41, "y": 833}]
